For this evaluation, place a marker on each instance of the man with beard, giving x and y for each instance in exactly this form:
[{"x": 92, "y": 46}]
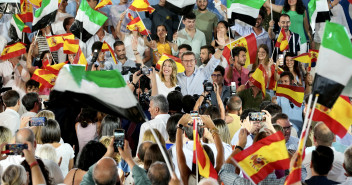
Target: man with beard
[
  {"x": 260, "y": 34},
  {"x": 236, "y": 72},
  {"x": 122, "y": 60},
  {"x": 206, "y": 21},
  {"x": 206, "y": 52}
]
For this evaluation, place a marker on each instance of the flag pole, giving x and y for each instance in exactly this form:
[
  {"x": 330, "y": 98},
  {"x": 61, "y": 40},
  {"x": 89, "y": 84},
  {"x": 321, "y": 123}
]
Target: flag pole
[
  {"x": 271, "y": 10},
  {"x": 194, "y": 143},
  {"x": 178, "y": 27},
  {"x": 145, "y": 28},
  {"x": 272, "y": 54},
  {"x": 229, "y": 40}
]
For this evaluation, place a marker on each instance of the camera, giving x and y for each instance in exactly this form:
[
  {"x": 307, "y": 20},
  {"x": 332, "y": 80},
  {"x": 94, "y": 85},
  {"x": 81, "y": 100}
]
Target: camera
[
  {"x": 126, "y": 69},
  {"x": 15, "y": 149},
  {"x": 119, "y": 139},
  {"x": 144, "y": 100},
  {"x": 145, "y": 70},
  {"x": 208, "y": 86}
]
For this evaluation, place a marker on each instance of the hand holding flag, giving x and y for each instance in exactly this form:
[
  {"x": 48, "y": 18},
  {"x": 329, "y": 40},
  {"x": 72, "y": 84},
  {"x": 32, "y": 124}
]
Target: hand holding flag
[
  {"x": 141, "y": 5},
  {"x": 282, "y": 41}
]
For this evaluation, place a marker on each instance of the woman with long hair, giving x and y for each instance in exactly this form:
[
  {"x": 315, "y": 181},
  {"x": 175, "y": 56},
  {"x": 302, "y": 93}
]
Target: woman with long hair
[
  {"x": 86, "y": 127},
  {"x": 161, "y": 45},
  {"x": 164, "y": 81},
  {"x": 293, "y": 67},
  {"x": 222, "y": 27}
]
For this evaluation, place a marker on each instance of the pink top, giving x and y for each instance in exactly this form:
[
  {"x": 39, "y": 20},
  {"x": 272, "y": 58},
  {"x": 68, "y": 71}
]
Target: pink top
[
  {"x": 84, "y": 135},
  {"x": 236, "y": 76}
]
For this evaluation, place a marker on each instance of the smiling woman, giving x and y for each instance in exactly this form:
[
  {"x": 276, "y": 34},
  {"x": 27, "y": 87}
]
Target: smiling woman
[{"x": 164, "y": 81}]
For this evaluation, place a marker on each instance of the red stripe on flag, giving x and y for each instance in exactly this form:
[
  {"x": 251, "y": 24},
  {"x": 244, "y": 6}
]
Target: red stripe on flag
[
  {"x": 263, "y": 172},
  {"x": 42, "y": 81},
  {"x": 294, "y": 176},
  {"x": 333, "y": 125},
  {"x": 252, "y": 48},
  {"x": 298, "y": 104},
  {"x": 13, "y": 54}
]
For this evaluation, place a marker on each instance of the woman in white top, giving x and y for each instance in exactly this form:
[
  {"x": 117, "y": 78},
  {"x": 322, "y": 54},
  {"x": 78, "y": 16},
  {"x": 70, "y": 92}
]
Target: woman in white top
[{"x": 164, "y": 81}]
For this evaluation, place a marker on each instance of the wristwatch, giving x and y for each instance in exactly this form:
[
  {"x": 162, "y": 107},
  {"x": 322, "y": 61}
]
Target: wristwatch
[{"x": 180, "y": 126}]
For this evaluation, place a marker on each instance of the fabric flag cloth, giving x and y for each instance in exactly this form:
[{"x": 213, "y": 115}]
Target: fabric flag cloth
[
  {"x": 45, "y": 77},
  {"x": 87, "y": 22},
  {"x": 180, "y": 7},
  {"x": 338, "y": 118},
  {"x": 205, "y": 167},
  {"x": 102, "y": 4},
  {"x": 26, "y": 11},
  {"x": 258, "y": 79},
  {"x": 57, "y": 41},
  {"x": 318, "y": 12},
  {"x": 71, "y": 46},
  {"x": 293, "y": 93},
  {"x": 55, "y": 69},
  {"x": 141, "y": 6},
  {"x": 106, "y": 47},
  {"x": 308, "y": 58},
  {"x": 282, "y": 41},
  {"x": 45, "y": 15},
  {"x": 13, "y": 50},
  {"x": 244, "y": 10},
  {"x": 249, "y": 42},
  {"x": 263, "y": 157},
  {"x": 106, "y": 91},
  {"x": 80, "y": 58},
  {"x": 331, "y": 78},
  {"x": 304, "y": 58},
  {"x": 36, "y": 3},
  {"x": 136, "y": 24},
  {"x": 19, "y": 25},
  {"x": 180, "y": 68}
]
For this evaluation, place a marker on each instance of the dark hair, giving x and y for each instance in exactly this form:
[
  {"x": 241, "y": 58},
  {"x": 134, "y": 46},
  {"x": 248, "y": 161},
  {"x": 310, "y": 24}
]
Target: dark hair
[
  {"x": 29, "y": 100},
  {"x": 295, "y": 65},
  {"x": 174, "y": 98},
  {"x": 273, "y": 109},
  {"x": 284, "y": 15},
  {"x": 158, "y": 173},
  {"x": 189, "y": 132},
  {"x": 262, "y": 13},
  {"x": 143, "y": 148},
  {"x": 153, "y": 154},
  {"x": 156, "y": 30},
  {"x": 10, "y": 98},
  {"x": 171, "y": 126},
  {"x": 259, "y": 136},
  {"x": 92, "y": 152},
  {"x": 97, "y": 45},
  {"x": 236, "y": 50},
  {"x": 32, "y": 83},
  {"x": 209, "y": 48},
  {"x": 278, "y": 116},
  {"x": 87, "y": 115},
  {"x": 45, "y": 172},
  {"x": 189, "y": 15},
  {"x": 299, "y": 7},
  {"x": 290, "y": 75},
  {"x": 213, "y": 111},
  {"x": 322, "y": 159},
  {"x": 51, "y": 132},
  {"x": 220, "y": 69},
  {"x": 245, "y": 113},
  {"x": 188, "y": 103},
  {"x": 66, "y": 22},
  {"x": 226, "y": 24},
  {"x": 251, "y": 72},
  {"x": 186, "y": 46},
  {"x": 118, "y": 43},
  {"x": 264, "y": 104},
  {"x": 43, "y": 54},
  {"x": 188, "y": 53}
]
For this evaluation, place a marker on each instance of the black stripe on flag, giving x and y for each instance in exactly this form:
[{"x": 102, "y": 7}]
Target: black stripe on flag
[
  {"x": 179, "y": 10},
  {"x": 77, "y": 28},
  {"x": 45, "y": 21},
  {"x": 327, "y": 89},
  {"x": 244, "y": 18},
  {"x": 322, "y": 16}
]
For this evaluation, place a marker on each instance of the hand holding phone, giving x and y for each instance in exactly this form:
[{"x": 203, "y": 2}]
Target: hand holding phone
[
  {"x": 256, "y": 116},
  {"x": 37, "y": 121},
  {"x": 119, "y": 141},
  {"x": 15, "y": 149}
]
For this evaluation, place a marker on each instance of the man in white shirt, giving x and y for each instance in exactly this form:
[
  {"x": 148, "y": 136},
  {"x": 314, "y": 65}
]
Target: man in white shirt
[
  {"x": 158, "y": 108},
  {"x": 32, "y": 103},
  {"x": 10, "y": 117}
]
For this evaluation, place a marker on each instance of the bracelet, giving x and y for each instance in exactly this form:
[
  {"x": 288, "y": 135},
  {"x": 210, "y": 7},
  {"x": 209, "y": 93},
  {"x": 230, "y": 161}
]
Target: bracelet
[
  {"x": 33, "y": 164},
  {"x": 239, "y": 147},
  {"x": 214, "y": 131}
]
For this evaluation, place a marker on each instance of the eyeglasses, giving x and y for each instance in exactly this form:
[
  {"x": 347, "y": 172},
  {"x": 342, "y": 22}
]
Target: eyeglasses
[
  {"x": 216, "y": 75},
  {"x": 287, "y": 128},
  {"x": 239, "y": 81},
  {"x": 188, "y": 60}
]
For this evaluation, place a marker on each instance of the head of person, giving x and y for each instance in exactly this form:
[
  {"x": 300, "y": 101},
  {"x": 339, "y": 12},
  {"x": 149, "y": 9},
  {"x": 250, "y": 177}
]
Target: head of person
[
  {"x": 96, "y": 47},
  {"x": 188, "y": 131},
  {"x": 273, "y": 109},
  {"x": 48, "y": 179},
  {"x": 5, "y": 135},
  {"x": 223, "y": 26},
  {"x": 282, "y": 120},
  {"x": 142, "y": 149},
  {"x": 46, "y": 55},
  {"x": 87, "y": 115},
  {"x": 218, "y": 75},
  {"x": 239, "y": 55},
  {"x": 14, "y": 175},
  {"x": 290, "y": 63},
  {"x": 108, "y": 125},
  {"x": 284, "y": 22},
  {"x": 158, "y": 174},
  {"x": 11, "y": 99},
  {"x": 174, "y": 98},
  {"x": 322, "y": 159},
  {"x": 38, "y": 129},
  {"x": 32, "y": 86},
  {"x": 234, "y": 105},
  {"x": 206, "y": 52},
  {"x": 120, "y": 50},
  {"x": 47, "y": 151},
  {"x": 262, "y": 56},
  {"x": 260, "y": 18},
  {"x": 189, "y": 20},
  {"x": 188, "y": 61},
  {"x": 286, "y": 78},
  {"x": 161, "y": 32},
  {"x": 347, "y": 162},
  {"x": 323, "y": 135},
  {"x": 158, "y": 105},
  {"x": 93, "y": 3},
  {"x": 202, "y": 5},
  {"x": 298, "y": 4},
  {"x": 51, "y": 132},
  {"x": 148, "y": 136},
  {"x": 105, "y": 172},
  {"x": 224, "y": 132},
  {"x": 67, "y": 23},
  {"x": 182, "y": 49},
  {"x": 90, "y": 154},
  {"x": 32, "y": 102},
  {"x": 153, "y": 154},
  {"x": 213, "y": 111},
  {"x": 208, "y": 181},
  {"x": 188, "y": 103},
  {"x": 161, "y": 2},
  {"x": 63, "y": 5},
  {"x": 169, "y": 68},
  {"x": 171, "y": 126}
]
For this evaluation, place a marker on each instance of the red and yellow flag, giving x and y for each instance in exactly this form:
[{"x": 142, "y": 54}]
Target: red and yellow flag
[
  {"x": 71, "y": 46},
  {"x": 57, "y": 41},
  {"x": 293, "y": 93},
  {"x": 313, "y": 56},
  {"x": 263, "y": 157},
  {"x": 258, "y": 79},
  {"x": 136, "y": 24},
  {"x": 102, "y": 4},
  {"x": 26, "y": 11},
  {"x": 141, "y": 5},
  {"x": 205, "y": 167},
  {"x": 180, "y": 68},
  {"x": 249, "y": 42},
  {"x": 80, "y": 59},
  {"x": 36, "y": 3},
  {"x": 45, "y": 77},
  {"x": 304, "y": 58},
  {"x": 338, "y": 118},
  {"x": 55, "y": 69},
  {"x": 106, "y": 47},
  {"x": 13, "y": 50},
  {"x": 282, "y": 41}
]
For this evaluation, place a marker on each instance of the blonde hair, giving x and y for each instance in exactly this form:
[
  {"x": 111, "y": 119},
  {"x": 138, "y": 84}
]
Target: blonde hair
[
  {"x": 47, "y": 151},
  {"x": 148, "y": 136},
  {"x": 6, "y": 135},
  {"x": 38, "y": 129},
  {"x": 14, "y": 175},
  {"x": 224, "y": 132},
  {"x": 173, "y": 78},
  {"x": 105, "y": 140}
]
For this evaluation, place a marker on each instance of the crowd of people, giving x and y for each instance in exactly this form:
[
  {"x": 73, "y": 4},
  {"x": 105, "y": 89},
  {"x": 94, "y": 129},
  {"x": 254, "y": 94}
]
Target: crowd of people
[{"x": 76, "y": 144}]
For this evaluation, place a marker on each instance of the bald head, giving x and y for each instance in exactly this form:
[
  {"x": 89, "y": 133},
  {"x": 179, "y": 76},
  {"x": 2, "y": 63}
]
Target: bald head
[
  {"x": 143, "y": 148},
  {"x": 24, "y": 134},
  {"x": 105, "y": 172},
  {"x": 234, "y": 103},
  {"x": 323, "y": 135},
  {"x": 158, "y": 174}
]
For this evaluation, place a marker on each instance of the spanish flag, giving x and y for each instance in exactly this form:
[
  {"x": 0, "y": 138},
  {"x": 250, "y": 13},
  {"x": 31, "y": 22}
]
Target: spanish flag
[
  {"x": 55, "y": 69},
  {"x": 180, "y": 68},
  {"x": 313, "y": 56},
  {"x": 282, "y": 41},
  {"x": 205, "y": 167},
  {"x": 36, "y": 3},
  {"x": 258, "y": 79},
  {"x": 293, "y": 93},
  {"x": 249, "y": 42},
  {"x": 106, "y": 47},
  {"x": 263, "y": 157},
  {"x": 141, "y": 5},
  {"x": 304, "y": 58},
  {"x": 338, "y": 118},
  {"x": 136, "y": 24},
  {"x": 26, "y": 11},
  {"x": 13, "y": 50},
  {"x": 71, "y": 46},
  {"x": 80, "y": 58},
  {"x": 57, "y": 41},
  {"x": 45, "y": 77},
  {"x": 102, "y": 4}
]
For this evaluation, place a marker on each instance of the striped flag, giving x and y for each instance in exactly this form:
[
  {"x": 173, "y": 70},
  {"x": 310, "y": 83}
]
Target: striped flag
[
  {"x": 45, "y": 78},
  {"x": 258, "y": 79},
  {"x": 26, "y": 11},
  {"x": 136, "y": 24},
  {"x": 318, "y": 12},
  {"x": 45, "y": 15},
  {"x": 180, "y": 68},
  {"x": 180, "y": 7},
  {"x": 71, "y": 46},
  {"x": 249, "y": 42},
  {"x": 13, "y": 50},
  {"x": 141, "y": 5},
  {"x": 102, "y": 4},
  {"x": 106, "y": 47},
  {"x": 334, "y": 66},
  {"x": 91, "y": 20},
  {"x": 308, "y": 58},
  {"x": 244, "y": 10},
  {"x": 293, "y": 93},
  {"x": 304, "y": 58},
  {"x": 19, "y": 25},
  {"x": 36, "y": 3},
  {"x": 263, "y": 157},
  {"x": 57, "y": 41},
  {"x": 282, "y": 41},
  {"x": 80, "y": 58},
  {"x": 55, "y": 68},
  {"x": 338, "y": 118}
]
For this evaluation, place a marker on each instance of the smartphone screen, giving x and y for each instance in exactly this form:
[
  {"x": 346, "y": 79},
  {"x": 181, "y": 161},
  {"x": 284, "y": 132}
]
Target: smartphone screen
[
  {"x": 15, "y": 149},
  {"x": 256, "y": 116},
  {"x": 37, "y": 121},
  {"x": 119, "y": 141},
  {"x": 281, "y": 59}
]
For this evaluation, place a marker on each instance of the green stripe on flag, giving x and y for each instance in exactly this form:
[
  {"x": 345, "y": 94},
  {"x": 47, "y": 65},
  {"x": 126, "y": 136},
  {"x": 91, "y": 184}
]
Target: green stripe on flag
[
  {"x": 19, "y": 23},
  {"x": 94, "y": 16},
  {"x": 251, "y": 3},
  {"x": 39, "y": 11},
  {"x": 312, "y": 5},
  {"x": 336, "y": 38}
]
